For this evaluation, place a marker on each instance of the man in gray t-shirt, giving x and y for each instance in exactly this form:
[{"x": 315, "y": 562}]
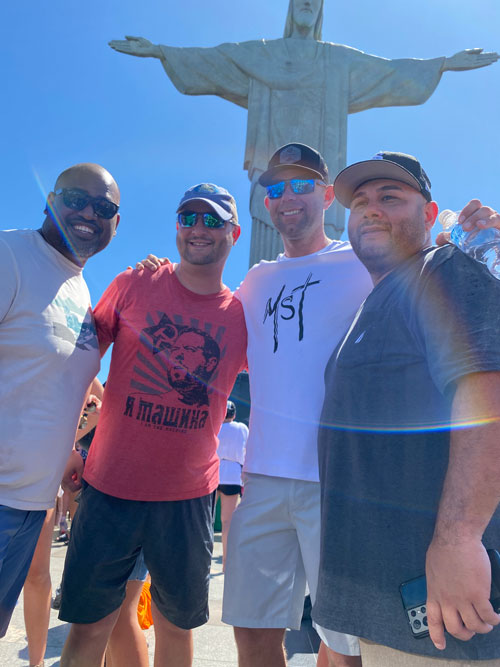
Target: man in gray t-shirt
[
  {"x": 408, "y": 448},
  {"x": 48, "y": 357}
]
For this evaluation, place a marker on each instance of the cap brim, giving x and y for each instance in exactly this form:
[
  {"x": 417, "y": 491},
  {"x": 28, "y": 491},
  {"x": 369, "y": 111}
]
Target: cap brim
[
  {"x": 350, "y": 178},
  {"x": 269, "y": 176},
  {"x": 217, "y": 208}
]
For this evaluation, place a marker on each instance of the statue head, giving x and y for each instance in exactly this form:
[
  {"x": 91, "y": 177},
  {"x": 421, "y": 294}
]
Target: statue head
[{"x": 304, "y": 13}]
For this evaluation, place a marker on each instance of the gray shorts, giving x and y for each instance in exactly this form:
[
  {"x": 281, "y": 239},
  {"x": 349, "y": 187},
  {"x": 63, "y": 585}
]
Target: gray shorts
[
  {"x": 273, "y": 551},
  {"x": 107, "y": 536}
]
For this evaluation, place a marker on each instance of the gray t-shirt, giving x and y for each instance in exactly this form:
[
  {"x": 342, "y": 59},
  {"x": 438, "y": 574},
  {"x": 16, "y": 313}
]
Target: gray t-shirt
[
  {"x": 384, "y": 441},
  {"x": 49, "y": 356}
]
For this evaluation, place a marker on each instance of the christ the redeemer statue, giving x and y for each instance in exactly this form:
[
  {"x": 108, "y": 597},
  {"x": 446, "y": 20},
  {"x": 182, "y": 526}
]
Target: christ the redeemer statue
[{"x": 298, "y": 88}]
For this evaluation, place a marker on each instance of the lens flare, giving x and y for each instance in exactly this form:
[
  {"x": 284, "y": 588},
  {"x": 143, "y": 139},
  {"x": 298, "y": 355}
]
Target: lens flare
[
  {"x": 411, "y": 428},
  {"x": 53, "y": 214}
]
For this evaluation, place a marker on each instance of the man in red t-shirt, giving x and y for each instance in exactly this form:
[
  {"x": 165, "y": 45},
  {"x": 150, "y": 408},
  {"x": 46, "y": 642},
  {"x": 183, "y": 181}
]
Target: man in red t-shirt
[{"x": 179, "y": 340}]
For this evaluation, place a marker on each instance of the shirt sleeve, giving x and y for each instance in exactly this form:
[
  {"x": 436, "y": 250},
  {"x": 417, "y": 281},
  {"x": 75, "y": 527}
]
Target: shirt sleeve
[
  {"x": 458, "y": 319},
  {"x": 9, "y": 279},
  {"x": 107, "y": 312}
]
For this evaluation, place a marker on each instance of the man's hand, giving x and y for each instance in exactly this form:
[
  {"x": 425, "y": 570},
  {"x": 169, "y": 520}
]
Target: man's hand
[
  {"x": 469, "y": 59},
  {"x": 136, "y": 46},
  {"x": 90, "y": 415},
  {"x": 152, "y": 262},
  {"x": 458, "y": 590},
  {"x": 457, "y": 565},
  {"x": 473, "y": 216},
  {"x": 93, "y": 404},
  {"x": 72, "y": 477}
]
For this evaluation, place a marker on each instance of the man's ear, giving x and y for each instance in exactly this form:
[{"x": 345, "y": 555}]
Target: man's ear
[
  {"x": 266, "y": 202},
  {"x": 117, "y": 221},
  {"x": 236, "y": 233},
  {"x": 430, "y": 214},
  {"x": 48, "y": 203},
  {"x": 329, "y": 197}
]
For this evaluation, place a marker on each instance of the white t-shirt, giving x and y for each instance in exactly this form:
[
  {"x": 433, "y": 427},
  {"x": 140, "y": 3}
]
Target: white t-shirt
[
  {"x": 231, "y": 450},
  {"x": 296, "y": 310},
  {"x": 48, "y": 357}
]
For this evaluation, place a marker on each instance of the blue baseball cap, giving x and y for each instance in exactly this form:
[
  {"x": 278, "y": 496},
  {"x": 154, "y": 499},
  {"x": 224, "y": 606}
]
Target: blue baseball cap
[{"x": 219, "y": 200}]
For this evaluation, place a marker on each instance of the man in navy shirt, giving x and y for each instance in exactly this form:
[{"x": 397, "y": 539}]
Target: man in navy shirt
[{"x": 408, "y": 446}]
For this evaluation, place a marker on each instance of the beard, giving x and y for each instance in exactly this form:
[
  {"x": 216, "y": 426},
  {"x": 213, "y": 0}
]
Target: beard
[{"x": 396, "y": 243}]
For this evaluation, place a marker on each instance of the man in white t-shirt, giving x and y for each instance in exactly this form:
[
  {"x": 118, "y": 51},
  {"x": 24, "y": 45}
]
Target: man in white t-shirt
[
  {"x": 49, "y": 356},
  {"x": 296, "y": 310}
]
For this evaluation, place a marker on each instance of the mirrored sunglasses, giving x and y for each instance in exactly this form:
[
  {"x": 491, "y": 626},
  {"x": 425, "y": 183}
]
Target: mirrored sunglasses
[
  {"x": 78, "y": 199},
  {"x": 299, "y": 186},
  {"x": 210, "y": 220}
]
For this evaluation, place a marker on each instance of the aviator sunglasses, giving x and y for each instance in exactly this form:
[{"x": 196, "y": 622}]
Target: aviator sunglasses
[
  {"x": 78, "y": 199},
  {"x": 210, "y": 220},
  {"x": 300, "y": 186}
]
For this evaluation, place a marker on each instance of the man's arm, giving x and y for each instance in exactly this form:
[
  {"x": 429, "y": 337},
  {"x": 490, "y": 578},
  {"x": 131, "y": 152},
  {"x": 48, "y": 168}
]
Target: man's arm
[
  {"x": 458, "y": 569},
  {"x": 93, "y": 398},
  {"x": 72, "y": 476}
]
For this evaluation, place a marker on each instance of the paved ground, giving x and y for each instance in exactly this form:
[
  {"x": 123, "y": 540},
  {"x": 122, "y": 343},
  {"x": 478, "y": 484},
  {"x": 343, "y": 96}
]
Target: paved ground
[{"x": 213, "y": 643}]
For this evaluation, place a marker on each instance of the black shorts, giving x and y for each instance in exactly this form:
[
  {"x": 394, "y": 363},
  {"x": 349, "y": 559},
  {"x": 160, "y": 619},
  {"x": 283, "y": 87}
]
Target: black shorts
[
  {"x": 107, "y": 535},
  {"x": 230, "y": 489}
]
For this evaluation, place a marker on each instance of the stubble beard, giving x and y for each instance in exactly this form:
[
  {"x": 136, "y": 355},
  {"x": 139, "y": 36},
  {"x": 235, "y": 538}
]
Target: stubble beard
[
  {"x": 81, "y": 249},
  {"x": 380, "y": 259},
  {"x": 292, "y": 231}
]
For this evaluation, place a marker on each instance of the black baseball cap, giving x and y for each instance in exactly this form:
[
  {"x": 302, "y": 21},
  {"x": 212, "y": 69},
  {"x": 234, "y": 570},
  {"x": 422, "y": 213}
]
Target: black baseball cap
[
  {"x": 230, "y": 410},
  {"x": 295, "y": 155},
  {"x": 395, "y": 166}
]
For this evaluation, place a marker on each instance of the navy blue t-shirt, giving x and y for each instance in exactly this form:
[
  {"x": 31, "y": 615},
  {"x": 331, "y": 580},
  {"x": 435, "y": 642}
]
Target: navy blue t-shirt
[{"x": 384, "y": 442}]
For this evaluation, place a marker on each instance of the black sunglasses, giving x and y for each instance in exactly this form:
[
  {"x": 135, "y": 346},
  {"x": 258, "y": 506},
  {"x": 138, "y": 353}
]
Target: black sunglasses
[
  {"x": 210, "y": 220},
  {"x": 78, "y": 199}
]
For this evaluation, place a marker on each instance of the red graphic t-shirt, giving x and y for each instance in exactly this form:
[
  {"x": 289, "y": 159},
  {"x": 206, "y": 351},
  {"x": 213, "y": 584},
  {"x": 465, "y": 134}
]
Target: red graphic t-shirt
[{"x": 175, "y": 358}]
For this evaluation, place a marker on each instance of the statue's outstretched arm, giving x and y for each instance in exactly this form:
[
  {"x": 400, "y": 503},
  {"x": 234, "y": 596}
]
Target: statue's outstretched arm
[
  {"x": 136, "y": 46},
  {"x": 469, "y": 59}
]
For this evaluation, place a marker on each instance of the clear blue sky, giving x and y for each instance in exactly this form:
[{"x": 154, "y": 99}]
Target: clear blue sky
[{"x": 67, "y": 98}]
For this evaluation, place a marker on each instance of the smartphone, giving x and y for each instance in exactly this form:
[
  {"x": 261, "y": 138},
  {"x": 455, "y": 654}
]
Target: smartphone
[
  {"x": 414, "y": 597},
  {"x": 495, "y": 579}
]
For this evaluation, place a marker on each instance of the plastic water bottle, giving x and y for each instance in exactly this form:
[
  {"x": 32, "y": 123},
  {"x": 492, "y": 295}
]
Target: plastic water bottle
[{"x": 482, "y": 245}]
